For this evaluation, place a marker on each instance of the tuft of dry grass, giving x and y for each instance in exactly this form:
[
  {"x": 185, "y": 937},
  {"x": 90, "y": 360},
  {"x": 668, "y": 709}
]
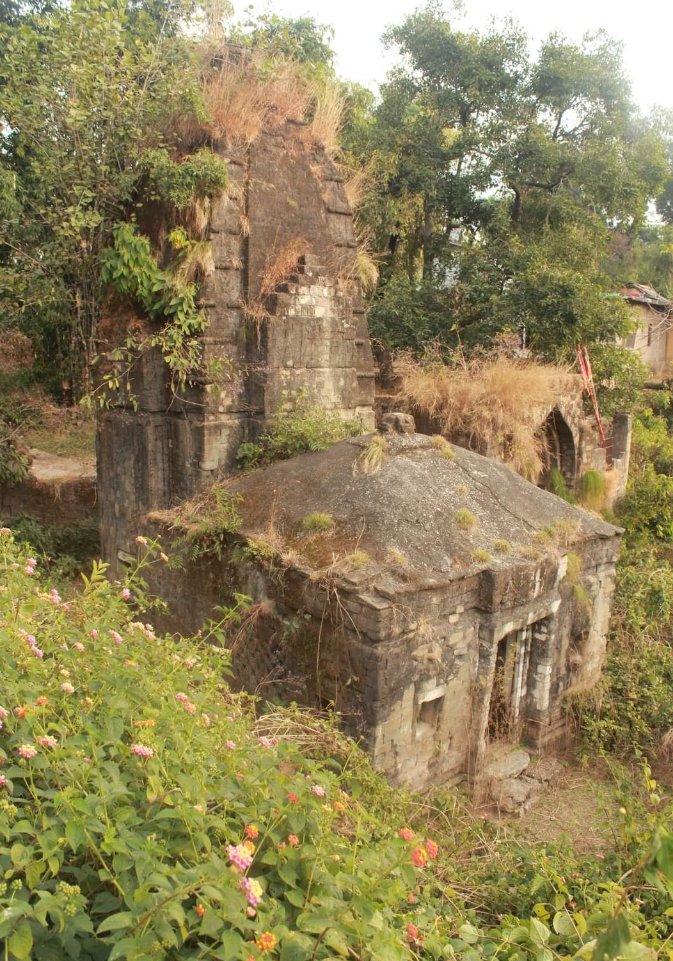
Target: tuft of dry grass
[
  {"x": 241, "y": 97},
  {"x": 194, "y": 263},
  {"x": 327, "y": 117},
  {"x": 494, "y": 403},
  {"x": 280, "y": 264},
  {"x": 371, "y": 460},
  {"x": 278, "y": 267}
]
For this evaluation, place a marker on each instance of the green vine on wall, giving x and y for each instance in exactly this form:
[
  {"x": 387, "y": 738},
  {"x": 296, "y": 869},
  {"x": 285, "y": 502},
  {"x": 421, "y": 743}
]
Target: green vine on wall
[{"x": 129, "y": 267}]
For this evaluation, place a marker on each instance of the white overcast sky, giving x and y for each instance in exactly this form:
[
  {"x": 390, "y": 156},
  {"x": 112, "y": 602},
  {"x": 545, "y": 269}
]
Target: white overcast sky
[{"x": 645, "y": 28}]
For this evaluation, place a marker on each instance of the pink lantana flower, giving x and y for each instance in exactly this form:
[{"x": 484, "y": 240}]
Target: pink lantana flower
[
  {"x": 26, "y": 750},
  {"x": 317, "y": 790},
  {"x": 142, "y": 750},
  {"x": 240, "y": 856},
  {"x": 67, "y": 687},
  {"x": 252, "y": 890}
]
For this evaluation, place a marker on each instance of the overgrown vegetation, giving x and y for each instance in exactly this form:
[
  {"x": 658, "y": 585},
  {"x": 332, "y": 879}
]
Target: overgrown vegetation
[
  {"x": 146, "y": 812},
  {"x": 490, "y": 402},
  {"x": 631, "y": 710},
  {"x": 63, "y": 551},
  {"x": 299, "y": 428}
]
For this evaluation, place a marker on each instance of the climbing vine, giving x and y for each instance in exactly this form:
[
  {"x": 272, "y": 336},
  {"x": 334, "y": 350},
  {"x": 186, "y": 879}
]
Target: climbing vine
[{"x": 129, "y": 267}]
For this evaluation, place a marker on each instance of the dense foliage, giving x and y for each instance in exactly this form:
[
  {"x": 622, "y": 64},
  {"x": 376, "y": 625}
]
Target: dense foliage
[
  {"x": 89, "y": 91},
  {"x": 631, "y": 710},
  {"x": 507, "y": 190},
  {"x": 142, "y": 814}
]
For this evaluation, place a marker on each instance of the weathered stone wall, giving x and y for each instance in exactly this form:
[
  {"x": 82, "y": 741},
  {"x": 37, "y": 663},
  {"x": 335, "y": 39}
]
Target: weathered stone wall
[
  {"x": 262, "y": 344},
  {"x": 411, "y": 670},
  {"x": 55, "y": 505}
]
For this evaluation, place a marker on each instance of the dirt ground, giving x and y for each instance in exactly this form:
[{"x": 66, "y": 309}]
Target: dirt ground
[{"x": 580, "y": 808}]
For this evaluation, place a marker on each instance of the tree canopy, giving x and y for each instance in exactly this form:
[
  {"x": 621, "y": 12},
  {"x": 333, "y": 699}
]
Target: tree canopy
[{"x": 501, "y": 179}]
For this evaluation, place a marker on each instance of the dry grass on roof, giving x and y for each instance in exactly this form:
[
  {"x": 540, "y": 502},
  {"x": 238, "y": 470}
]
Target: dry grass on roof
[
  {"x": 244, "y": 93},
  {"x": 242, "y": 96},
  {"x": 493, "y": 402},
  {"x": 327, "y": 111}
]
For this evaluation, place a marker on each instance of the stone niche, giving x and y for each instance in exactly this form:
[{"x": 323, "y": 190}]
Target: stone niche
[
  {"x": 285, "y": 315},
  {"x": 447, "y": 607}
]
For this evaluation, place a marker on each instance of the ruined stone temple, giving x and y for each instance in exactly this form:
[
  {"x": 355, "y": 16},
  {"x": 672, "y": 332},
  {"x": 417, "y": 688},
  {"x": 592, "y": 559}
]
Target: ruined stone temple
[
  {"x": 451, "y": 605},
  {"x": 440, "y": 602},
  {"x": 261, "y": 347}
]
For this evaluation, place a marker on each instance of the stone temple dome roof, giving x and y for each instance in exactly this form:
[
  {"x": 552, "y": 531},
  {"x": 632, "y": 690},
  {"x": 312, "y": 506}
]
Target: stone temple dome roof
[{"x": 439, "y": 509}]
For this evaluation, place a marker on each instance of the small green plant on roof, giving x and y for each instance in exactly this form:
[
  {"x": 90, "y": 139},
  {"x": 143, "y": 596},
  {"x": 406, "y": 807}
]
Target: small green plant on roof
[
  {"x": 212, "y": 519},
  {"x": 557, "y": 485},
  {"x": 372, "y": 457},
  {"x": 545, "y": 536},
  {"x": 592, "y": 490},
  {"x": 502, "y": 546},
  {"x": 397, "y": 558},
  {"x": 317, "y": 523},
  {"x": 465, "y": 519},
  {"x": 443, "y": 446},
  {"x": 356, "y": 560},
  {"x": 581, "y": 597},
  {"x": 573, "y": 569},
  {"x": 565, "y": 531},
  {"x": 480, "y": 556},
  {"x": 303, "y": 428}
]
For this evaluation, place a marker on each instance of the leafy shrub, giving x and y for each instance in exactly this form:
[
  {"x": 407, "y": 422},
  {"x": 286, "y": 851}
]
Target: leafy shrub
[
  {"x": 306, "y": 427},
  {"x": 647, "y": 508},
  {"x": 210, "y": 520},
  {"x": 63, "y": 550},
  {"x": 140, "y": 815},
  {"x": 13, "y": 464},
  {"x": 129, "y": 267},
  {"x": 201, "y": 174},
  {"x": 480, "y": 556}
]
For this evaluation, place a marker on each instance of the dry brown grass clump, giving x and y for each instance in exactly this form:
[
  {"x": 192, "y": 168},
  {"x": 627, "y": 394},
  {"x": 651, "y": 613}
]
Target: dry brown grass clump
[
  {"x": 493, "y": 404},
  {"x": 327, "y": 116},
  {"x": 278, "y": 267},
  {"x": 242, "y": 97}
]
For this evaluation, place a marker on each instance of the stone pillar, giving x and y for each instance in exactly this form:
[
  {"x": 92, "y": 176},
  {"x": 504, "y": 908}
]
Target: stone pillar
[{"x": 622, "y": 425}]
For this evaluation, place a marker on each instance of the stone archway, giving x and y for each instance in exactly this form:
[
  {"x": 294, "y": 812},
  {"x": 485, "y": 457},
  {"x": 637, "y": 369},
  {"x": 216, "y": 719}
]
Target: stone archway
[{"x": 558, "y": 449}]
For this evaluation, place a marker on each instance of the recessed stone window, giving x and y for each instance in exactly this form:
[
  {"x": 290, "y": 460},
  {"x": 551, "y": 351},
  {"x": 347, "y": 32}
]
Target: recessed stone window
[{"x": 430, "y": 704}]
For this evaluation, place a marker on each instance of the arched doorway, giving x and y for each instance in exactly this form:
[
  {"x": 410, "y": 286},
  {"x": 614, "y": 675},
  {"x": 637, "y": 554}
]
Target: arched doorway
[{"x": 558, "y": 449}]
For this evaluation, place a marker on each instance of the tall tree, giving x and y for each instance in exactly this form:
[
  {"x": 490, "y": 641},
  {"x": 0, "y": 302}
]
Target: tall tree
[
  {"x": 85, "y": 90},
  {"x": 508, "y": 175}
]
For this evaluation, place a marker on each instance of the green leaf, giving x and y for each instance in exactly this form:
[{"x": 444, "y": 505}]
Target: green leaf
[
  {"x": 20, "y": 943},
  {"x": 539, "y": 932},
  {"x": 469, "y": 933},
  {"x": 75, "y": 834},
  {"x": 297, "y": 947},
  {"x": 613, "y": 941},
  {"x": 117, "y": 922},
  {"x": 563, "y": 924}
]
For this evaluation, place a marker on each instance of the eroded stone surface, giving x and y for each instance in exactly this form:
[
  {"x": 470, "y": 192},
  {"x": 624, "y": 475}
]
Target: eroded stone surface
[{"x": 403, "y": 615}]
